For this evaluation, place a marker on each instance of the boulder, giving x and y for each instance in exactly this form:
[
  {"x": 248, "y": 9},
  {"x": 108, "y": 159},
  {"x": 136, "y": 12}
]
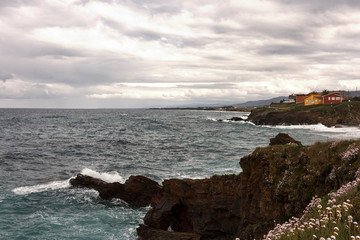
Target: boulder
[
  {"x": 138, "y": 191},
  {"x": 282, "y": 139},
  {"x": 236, "y": 119}
]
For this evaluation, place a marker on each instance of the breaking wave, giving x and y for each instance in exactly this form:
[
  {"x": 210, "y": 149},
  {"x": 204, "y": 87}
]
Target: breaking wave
[
  {"x": 42, "y": 187},
  {"x": 55, "y": 185},
  {"x": 109, "y": 177}
]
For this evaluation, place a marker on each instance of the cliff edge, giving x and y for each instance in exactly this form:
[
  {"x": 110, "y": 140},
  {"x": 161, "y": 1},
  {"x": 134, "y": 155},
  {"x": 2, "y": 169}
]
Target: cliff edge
[
  {"x": 277, "y": 183},
  {"x": 346, "y": 113}
]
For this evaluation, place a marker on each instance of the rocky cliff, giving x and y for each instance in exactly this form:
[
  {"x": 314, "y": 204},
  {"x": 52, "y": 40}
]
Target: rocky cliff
[
  {"x": 347, "y": 113},
  {"x": 276, "y": 183}
]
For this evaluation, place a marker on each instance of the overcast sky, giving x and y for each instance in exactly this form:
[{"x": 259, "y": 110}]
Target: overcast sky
[{"x": 138, "y": 53}]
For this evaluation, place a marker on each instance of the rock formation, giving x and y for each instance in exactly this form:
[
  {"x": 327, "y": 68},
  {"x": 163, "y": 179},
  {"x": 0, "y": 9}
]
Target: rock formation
[
  {"x": 329, "y": 115},
  {"x": 283, "y": 138},
  {"x": 138, "y": 191},
  {"x": 276, "y": 183}
]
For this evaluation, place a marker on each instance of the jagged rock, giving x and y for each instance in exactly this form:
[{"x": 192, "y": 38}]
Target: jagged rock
[
  {"x": 236, "y": 119},
  {"x": 148, "y": 233},
  {"x": 282, "y": 139},
  {"x": 201, "y": 206},
  {"x": 138, "y": 191}
]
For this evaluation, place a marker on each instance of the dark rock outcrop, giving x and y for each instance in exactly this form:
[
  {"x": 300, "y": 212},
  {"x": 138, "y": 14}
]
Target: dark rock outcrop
[
  {"x": 236, "y": 119},
  {"x": 138, "y": 191},
  {"x": 233, "y": 119},
  {"x": 282, "y": 139},
  {"x": 277, "y": 182},
  {"x": 148, "y": 233},
  {"x": 198, "y": 206},
  {"x": 347, "y": 113}
]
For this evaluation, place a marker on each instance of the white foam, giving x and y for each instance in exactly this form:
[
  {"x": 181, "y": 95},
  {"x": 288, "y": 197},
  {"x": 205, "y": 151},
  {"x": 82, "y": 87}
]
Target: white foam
[
  {"x": 42, "y": 187},
  {"x": 320, "y": 128},
  {"x": 109, "y": 177},
  {"x": 341, "y": 132},
  {"x": 212, "y": 119}
]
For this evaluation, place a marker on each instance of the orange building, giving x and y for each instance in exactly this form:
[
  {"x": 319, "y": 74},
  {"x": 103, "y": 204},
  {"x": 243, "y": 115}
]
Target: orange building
[{"x": 313, "y": 99}]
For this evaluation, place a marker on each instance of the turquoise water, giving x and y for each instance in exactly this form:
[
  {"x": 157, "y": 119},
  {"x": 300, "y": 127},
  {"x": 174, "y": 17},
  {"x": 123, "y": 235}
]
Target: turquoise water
[{"x": 41, "y": 149}]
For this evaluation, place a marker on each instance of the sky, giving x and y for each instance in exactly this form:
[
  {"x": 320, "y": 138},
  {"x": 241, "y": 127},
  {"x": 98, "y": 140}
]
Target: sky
[{"x": 164, "y": 53}]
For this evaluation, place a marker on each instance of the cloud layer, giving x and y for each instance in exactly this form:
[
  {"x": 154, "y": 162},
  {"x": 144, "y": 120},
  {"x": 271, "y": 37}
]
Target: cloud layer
[{"x": 123, "y": 53}]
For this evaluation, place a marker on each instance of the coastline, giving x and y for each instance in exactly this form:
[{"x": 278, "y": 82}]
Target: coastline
[{"x": 277, "y": 183}]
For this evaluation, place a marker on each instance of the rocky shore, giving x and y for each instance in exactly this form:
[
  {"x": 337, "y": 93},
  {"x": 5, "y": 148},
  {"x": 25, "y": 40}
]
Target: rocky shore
[
  {"x": 276, "y": 183},
  {"x": 346, "y": 113}
]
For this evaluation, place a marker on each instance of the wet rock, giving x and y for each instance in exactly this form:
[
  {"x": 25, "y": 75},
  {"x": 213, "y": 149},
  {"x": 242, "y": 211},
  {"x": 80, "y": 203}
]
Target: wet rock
[
  {"x": 282, "y": 139},
  {"x": 138, "y": 191},
  {"x": 201, "y": 206},
  {"x": 236, "y": 119},
  {"x": 148, "y": 233}
]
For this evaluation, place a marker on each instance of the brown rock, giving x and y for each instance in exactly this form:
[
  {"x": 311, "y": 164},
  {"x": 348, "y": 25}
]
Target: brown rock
[
  {"x": 282, "y": 139},
  {"x": 203, "y": 206},
  {"x": 138, "y": 191},
  {"x": 148, "y": 233}
]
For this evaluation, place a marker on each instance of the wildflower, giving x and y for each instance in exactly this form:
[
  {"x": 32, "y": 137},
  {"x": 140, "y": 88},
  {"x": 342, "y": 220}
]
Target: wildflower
[
  {"x": 336, "y": 229},
  {"x": 319, "y": 206}
]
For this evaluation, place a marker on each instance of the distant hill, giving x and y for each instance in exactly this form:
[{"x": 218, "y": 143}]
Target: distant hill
[{"x": 261, "y": 103}]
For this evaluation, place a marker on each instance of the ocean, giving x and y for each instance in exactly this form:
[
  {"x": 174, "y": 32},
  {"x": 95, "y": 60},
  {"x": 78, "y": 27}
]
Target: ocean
[{"x": 41, "y": 149}]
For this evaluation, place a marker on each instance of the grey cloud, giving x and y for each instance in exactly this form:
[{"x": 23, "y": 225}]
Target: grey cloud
[
  {"x": 15, "y": 3},
  {"x": 208, "y": 86},
  {"x": 279, "y": 49},
  {"x": 218, "y": 58},
  {"x": 36, "y": 91},
  {"x": 30, "y": 48},
  {"x": 258, "y": 48},
  {"x": 323, "y": 4},
  {"x": 6, "y": 76}
]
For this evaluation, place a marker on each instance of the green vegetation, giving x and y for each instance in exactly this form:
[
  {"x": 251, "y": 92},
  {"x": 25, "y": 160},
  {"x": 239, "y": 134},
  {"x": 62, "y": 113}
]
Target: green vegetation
[
  {"x": 298, "y": 173},
  {"x": 345, "y": 106},
  {"x": 346, "y": 113},
  {"x": 334, "y": 216}
]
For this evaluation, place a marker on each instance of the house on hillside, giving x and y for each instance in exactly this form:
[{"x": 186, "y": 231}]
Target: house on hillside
[
  {"x": 333, "y": 98},
  {"x": 300, "y": 98},
  {"x": 313, "y": 99}
]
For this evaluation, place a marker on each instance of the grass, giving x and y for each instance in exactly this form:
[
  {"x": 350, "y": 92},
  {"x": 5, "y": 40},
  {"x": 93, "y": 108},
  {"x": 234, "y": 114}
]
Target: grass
[
  {"x": 297, "y": 174},
  {"x": 342, "y": 107}
]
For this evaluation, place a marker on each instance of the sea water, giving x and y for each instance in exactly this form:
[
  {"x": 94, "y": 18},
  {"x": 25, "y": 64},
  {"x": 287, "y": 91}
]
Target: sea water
[{"x": 42, "y": 149}]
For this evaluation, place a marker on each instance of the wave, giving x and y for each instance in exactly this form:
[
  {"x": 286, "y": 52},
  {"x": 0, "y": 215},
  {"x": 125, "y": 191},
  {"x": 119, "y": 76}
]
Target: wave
[
  {"x": 109, "y": 177},
  {"x": 342, "y": 132},
  {"x": 55, "y": 185},
  {"x": 229, "y": 121},
  {"x": 42, "y": 187}
]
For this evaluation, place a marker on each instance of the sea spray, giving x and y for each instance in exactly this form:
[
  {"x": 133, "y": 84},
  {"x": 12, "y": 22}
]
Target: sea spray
[
  {"x": 42, "y": 187},
  {"x": 109, "y": 177}
]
